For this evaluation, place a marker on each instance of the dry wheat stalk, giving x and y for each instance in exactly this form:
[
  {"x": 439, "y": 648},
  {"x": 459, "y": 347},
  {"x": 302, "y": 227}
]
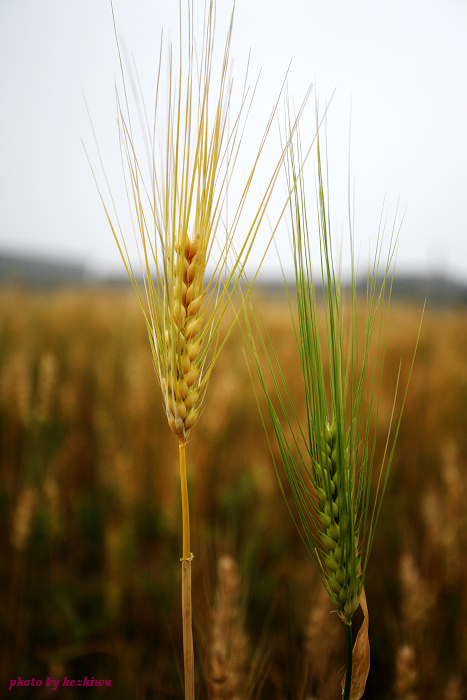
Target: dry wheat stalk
[{"x": 229, "y": 644}]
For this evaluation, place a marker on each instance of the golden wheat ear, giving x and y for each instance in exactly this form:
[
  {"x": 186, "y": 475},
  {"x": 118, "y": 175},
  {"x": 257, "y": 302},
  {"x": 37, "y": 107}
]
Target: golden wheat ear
[
  {"x": 177, "y": 214},
  {"x": 181, "y": 384}
]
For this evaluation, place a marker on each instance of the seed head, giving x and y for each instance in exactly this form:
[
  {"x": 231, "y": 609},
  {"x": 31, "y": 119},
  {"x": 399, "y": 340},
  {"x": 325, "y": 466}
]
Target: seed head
[
  {"x": 344, "y": 580},
  {"x": 182, "y": 380},
  {"x": 180, "y": 217}
]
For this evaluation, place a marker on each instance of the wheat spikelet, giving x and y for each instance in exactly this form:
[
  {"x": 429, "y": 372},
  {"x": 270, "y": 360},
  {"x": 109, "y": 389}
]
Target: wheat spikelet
[
  {"x": 15, "y": 388},
  {"x": 229, "y": 644},
  {"x": 406, "y": 674},
  {"x": 443, "y": 512},
  {"x": 453, "y": 689},
  {"x": 23, "y": 518},
  {"x": 45, "y": 387},
  {"x": 417, "y": 597},
  {"x": 454, "y": 520}
]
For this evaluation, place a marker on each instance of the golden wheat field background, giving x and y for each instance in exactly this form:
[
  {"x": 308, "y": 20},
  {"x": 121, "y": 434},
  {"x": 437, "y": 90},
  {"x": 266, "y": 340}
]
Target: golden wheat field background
[{"x": 90, "y": 516}]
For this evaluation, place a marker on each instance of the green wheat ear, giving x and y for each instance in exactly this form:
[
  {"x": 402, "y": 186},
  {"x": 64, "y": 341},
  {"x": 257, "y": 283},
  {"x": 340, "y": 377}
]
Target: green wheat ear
[{"x": 328, "y": 459}]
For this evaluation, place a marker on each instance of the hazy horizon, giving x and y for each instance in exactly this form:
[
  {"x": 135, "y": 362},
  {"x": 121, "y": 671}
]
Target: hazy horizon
[{"x": 396, "y": 73}]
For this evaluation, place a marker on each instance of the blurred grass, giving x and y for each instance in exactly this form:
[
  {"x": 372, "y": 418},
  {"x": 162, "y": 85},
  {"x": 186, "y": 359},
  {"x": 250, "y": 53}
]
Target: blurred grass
[{"x": 90, "y": 507}]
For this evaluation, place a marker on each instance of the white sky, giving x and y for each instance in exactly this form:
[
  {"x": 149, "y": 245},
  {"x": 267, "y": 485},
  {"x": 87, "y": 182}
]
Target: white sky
[{"x": 399, "y": 68}]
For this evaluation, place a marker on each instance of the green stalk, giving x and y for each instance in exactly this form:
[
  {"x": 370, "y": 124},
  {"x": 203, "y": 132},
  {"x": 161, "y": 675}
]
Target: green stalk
[{"x": 348, "y": 675}]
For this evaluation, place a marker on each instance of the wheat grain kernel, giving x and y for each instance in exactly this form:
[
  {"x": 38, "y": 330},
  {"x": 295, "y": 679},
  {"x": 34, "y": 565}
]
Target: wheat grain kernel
[
  {"x": 178, "y": 338},
  {"x": 193, "y": 327},
  {"x": 191, "y": 419},
  {"x": 180, "y": 290},
  {"x": 187, "y": 246},
  {"x": 328, "y": 542},
  {"x": 186, "y": 363},
  {"x": 182, "y": 388},
  {"x": 330, "y": 562},
  {"x": 195, "y": 246},
  {"x": 171, "y": 404},
  {"x": 195, "y": 305},
  {"x": 325, "y": 519},
  {"x": 192, "y": 270},
  {"x": 340, "y": 575},
  {"x": 343, "y": 595},
  {"x": 334, "y": 585},
  {"x": 192, "y": 292},
  {"x": 192, "y": 375},
  {"x": 335, "y": 509},
  {"x": 194, "y": 350},
  {"x": 180, "y": 313},
  {"x": 191, "y": 400}
]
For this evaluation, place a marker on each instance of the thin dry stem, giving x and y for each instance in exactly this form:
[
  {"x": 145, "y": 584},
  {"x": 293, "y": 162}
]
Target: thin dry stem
[
  {"x": 188, "y": 656},
  {"x": 185, "y": 505}
]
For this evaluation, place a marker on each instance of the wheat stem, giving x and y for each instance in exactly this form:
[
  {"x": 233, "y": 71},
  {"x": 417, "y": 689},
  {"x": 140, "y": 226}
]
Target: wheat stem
[
  {"x": 188, "y": 656},
  {"x": 348, "y": 674},
  {"x": 176, "y": 216}
]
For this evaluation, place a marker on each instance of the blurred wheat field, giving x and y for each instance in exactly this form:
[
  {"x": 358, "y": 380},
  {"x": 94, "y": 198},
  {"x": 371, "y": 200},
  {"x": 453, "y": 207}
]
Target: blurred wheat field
[{"x": 90, "y": 515}]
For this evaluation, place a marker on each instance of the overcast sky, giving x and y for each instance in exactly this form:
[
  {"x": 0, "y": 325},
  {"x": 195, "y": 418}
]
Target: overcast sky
[{"x": 398, "y": 68}]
